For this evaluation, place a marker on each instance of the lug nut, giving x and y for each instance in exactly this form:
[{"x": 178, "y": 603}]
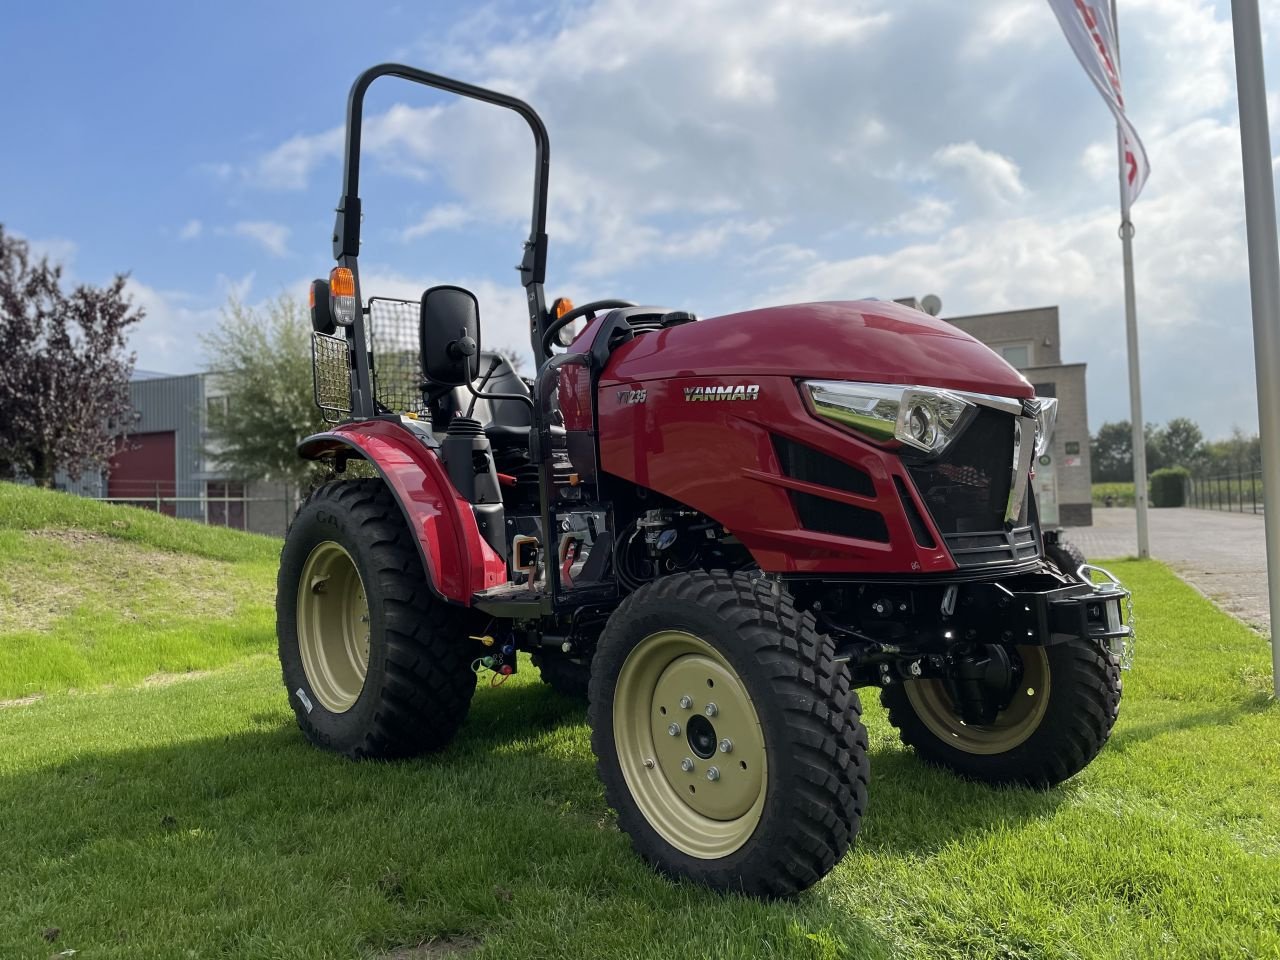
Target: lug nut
[
  {"x": 726, "y": 745},
  {"x": 648, "y": 763},
  {"x": 687, "y": 765},
  {"x": 686, "y": 703},
  {"x": 711, "y": 710},
  {"x": 713, "y": 774},
  {"x": 674, "y": 729}
]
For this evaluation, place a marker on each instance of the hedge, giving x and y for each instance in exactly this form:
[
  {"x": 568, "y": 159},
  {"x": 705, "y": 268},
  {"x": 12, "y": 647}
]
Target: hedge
[{"x": 1169, "y": 487}]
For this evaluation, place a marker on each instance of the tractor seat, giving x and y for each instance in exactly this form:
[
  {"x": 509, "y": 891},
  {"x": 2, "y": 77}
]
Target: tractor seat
[{"x": 506, "y": 422}]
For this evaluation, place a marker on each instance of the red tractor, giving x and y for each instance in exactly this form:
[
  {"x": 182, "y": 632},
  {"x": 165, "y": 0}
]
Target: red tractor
[{"x": 715, "y": 529}]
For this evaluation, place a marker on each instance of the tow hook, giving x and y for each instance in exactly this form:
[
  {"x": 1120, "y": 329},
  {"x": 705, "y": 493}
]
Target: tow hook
[{"x": 1120, "y": 639}]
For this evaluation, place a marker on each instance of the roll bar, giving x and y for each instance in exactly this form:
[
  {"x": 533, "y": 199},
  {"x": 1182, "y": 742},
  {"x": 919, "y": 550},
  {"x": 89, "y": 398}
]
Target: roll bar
[{"x": 346, "y": 226}]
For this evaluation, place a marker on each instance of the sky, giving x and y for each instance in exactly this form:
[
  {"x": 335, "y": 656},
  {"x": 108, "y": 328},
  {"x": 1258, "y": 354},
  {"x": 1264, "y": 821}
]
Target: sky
[{"x": 710, "y": 155}]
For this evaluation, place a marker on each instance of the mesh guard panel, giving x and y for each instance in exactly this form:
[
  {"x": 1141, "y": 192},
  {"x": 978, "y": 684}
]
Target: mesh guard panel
[
  {"x": 397, "y": 367},
  {"x": 331, "y": 376}
]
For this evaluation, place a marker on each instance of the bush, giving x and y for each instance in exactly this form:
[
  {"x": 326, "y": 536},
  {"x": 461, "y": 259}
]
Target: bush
[
  {"x": 1121, "y": 494},
  {"x": 1169, "y": 487}
]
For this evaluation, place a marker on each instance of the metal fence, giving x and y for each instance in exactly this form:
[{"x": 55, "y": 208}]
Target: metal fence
[
  {"x": 220, "y": 504},
  {"x": 1239, "y": 492}
]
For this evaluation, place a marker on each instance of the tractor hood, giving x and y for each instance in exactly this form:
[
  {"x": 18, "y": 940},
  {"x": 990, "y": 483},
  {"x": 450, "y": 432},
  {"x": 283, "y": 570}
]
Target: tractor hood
[{"x": 866, "y": 340}]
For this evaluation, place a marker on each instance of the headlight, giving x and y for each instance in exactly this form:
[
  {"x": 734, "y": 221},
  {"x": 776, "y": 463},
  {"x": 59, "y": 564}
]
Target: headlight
[
  {"x": 1045, "y": 411},
  {"x": 921, "y": 417}
]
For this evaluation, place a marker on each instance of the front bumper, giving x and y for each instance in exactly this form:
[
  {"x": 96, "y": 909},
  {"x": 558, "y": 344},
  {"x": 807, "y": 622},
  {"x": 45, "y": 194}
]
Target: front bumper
[{"x": 1099, "y": 611}]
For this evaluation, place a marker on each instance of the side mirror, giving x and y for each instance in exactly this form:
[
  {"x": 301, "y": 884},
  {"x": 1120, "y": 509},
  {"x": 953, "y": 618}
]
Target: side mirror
[
  {"x": 321, "y": 315},
  {"x": 449, "y": 335}
]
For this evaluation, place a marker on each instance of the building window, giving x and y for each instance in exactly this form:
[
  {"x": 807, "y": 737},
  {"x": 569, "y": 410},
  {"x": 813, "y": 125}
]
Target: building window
[
  {"x": 216, "y": 405},
  {"x": 1017, "y": 356},
  {"x": 224, "y": 503},
  {"x": 1045, "y": 389}
]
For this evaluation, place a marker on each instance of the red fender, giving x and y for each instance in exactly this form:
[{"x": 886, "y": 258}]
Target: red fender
[{"x": 457, "y": 559}]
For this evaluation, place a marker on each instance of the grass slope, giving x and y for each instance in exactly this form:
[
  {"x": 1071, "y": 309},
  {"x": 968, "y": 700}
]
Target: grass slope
[
  {"x": 92, "y": 594},
  {"x": 190, "y": 820}
]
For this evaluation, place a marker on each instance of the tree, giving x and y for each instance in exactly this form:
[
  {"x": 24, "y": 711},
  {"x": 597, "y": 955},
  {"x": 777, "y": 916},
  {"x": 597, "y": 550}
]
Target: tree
[
  {"x": 1111, "y": 451},
  {"x": 1239, "y": 452},
  {"x": 1182, "y": 442},
  {"x": 261, "y": 362},
  {"x": 64, "y": 382}
]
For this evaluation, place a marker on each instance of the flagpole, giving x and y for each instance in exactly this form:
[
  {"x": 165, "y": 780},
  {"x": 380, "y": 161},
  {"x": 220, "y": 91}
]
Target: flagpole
[
  {"x": 1131, "y": 334},
  {"x": 1264, "y": 283}
]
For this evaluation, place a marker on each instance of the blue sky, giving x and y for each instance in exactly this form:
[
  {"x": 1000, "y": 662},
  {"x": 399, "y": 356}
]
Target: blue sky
[{"x": 700, "y": 158}]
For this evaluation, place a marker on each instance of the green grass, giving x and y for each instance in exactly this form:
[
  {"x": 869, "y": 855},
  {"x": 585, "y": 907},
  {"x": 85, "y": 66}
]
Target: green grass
[
  {"x": 1121, "y": 494},
  {"x": 93, "y": 594},
  {"x": 189, "y": 819}
]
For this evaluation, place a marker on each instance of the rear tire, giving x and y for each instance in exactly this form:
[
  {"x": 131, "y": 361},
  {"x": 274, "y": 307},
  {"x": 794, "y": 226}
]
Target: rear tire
[
  {"x": 348, "y": 565},
  {"x": 785, "y": 800},
  {"x": 1052, "y": 734}
]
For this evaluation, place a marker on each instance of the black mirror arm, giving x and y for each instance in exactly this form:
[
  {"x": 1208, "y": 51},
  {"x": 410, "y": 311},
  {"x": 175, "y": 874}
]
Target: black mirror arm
[
  {"x": 467, "y": 347},
  {"x": 497, "y": 362},
  {"x": 501, "y": 396}
]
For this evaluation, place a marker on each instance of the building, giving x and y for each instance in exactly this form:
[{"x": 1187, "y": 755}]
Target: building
[
  {"x": 164, "y": 463},
  {"x": 1029, "y": 340}
]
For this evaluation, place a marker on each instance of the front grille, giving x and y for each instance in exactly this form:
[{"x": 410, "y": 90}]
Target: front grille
[
  {"x": 841, "y": 519},
  {"x": 966, "y": 491},
  {"x": 805, "y": 463},
  {"x": 918, "y": 528},
  {"x": 1000, "y": 546}
]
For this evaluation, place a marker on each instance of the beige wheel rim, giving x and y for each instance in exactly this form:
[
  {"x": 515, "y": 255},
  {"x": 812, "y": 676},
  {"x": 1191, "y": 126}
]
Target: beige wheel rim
[
  {"x": 333, "y": 626},
  {"x": 1011, "y": 727},
  {"x": 690, "y": 744}
]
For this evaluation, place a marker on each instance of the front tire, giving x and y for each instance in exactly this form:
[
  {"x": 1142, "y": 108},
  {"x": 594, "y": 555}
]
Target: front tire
[
  {"x": 762, "y": 784},
  {"x": 1066, "y": 556},
  {"x": 1058, "y": 719},
  {"x": 569, "y": 678},
  {"x": 374, "y": 664}
]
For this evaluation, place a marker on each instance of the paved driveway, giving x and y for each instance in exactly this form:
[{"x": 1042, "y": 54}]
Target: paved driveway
[{"x": 1223, "y": 555}]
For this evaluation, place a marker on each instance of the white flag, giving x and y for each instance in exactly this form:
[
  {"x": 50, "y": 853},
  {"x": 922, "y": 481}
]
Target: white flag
[{"x": 1088, "y": 26}]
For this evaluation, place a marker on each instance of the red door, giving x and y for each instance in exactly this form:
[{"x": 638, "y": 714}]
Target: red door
[{"x": 143, "y": 471}]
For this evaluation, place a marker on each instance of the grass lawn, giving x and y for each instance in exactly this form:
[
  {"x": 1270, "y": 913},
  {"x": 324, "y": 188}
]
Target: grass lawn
[{"x": 151, "y": 812}]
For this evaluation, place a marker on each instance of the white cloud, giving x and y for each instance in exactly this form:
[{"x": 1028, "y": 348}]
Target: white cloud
[
  {"x": 289, "y": 165},
  {"x": 843, "y": 148},
  {"x": 990, "y": 173},
  {"x": 190, "y": 230},
  {"x": 164, "y": 340},
  {"x": 929, "y": 215},
  {"x": 623, "y": 244},
  {"x": 447, "y": 216},
  {"x": 220, "y": 171},
  {"x": 58, "y": 250},
  {"x": 272, "y": 237},
  {"x": 1099, "y": 161},
  {"x": 999, "y": 23}
]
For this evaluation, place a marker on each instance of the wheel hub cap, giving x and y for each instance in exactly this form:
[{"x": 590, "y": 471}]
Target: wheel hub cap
[
  {"x": 1012, "y": 726},
  {"x": 333, "y": 627},
  {"x": 703, "y": 806}
]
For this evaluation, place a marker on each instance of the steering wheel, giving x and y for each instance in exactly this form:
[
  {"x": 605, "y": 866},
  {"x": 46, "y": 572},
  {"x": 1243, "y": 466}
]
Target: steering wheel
[{"x": 588, "y": 310}]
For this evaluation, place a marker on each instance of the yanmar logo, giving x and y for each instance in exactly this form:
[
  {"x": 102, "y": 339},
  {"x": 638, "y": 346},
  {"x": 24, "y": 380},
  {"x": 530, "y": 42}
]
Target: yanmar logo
[{"x": 741, "y": 391}]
